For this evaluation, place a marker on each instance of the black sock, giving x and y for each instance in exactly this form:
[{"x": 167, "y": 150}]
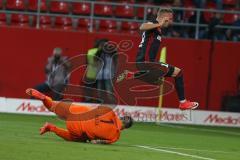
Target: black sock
[{"x": 179, "y": 85}]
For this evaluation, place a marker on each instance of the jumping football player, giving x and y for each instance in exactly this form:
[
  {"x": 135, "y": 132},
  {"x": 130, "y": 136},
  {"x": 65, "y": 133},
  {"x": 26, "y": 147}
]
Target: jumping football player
[
  {"x": 84, "y": 124},
  {"x": 152, "y": 35}
]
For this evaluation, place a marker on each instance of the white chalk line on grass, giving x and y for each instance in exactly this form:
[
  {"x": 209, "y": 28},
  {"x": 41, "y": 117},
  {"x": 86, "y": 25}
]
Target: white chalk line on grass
[
  {"x": 192, "y": 149},
  {"x": 174, "y": 152},
  {"x": 188, "y": 149}
]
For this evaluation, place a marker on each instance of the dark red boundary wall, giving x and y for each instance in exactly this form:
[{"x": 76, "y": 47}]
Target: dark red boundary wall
[{"x": 24, "y": 53}]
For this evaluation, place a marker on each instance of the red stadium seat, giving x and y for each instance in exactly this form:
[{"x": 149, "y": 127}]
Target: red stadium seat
[
  {"x": 33, "y": 5},
  {"x": 3, "y": 19},
  {"x": 188, "y": 3},
  {"x": 20, "y": 20},
  {"x": 124, "y": 11},
  {"x": 45, "y": 22},
  {"x": 15, "y": 4},
  {"x": 103, "y": 10},
  {"x": 59, "y": 7},
  {"x": 63, "y": 23},
  {"x": 208, "y": 15},
  {"x": 82, "y": 8},
  {"x": 127, "y": 1},
  {"x": 1, "y": 4},
  {"x": 83, "y": 24},
  {"x": 130, "y": 27},
  {"x": 229, "y": 2},
  {"x": 188, "y": 13},
  {"x": 140, "y": 10},
  {"x": 230, "y": 18},
  {"x": 211, "y": 5},
  {"x": 107, "y": 26}
]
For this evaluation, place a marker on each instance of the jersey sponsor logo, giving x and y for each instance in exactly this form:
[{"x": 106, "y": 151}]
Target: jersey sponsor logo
[
  {"x": 159, "y": 38},
  {"x": 143, "y": 39}
]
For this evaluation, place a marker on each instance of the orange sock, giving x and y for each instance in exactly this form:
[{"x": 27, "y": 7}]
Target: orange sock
[{"x": 62, "y": 133}]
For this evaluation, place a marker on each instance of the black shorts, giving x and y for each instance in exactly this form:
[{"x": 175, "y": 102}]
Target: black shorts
[{"x": 156, "y": 74}]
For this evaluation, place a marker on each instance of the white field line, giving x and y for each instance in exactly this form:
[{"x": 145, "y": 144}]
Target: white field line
[
  {"x": 188, "y": 149},
  {"x": 192, "y": 149},
  {"x": 173, "y": 152}
]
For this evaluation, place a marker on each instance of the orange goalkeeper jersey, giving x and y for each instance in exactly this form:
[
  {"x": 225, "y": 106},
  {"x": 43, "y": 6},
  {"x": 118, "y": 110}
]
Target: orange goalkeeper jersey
[{"x": 106, "y": 126}]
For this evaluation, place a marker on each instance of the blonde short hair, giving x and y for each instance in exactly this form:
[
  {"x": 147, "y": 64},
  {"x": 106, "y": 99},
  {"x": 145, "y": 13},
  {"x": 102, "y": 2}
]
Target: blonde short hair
[{"x": 164, "y": 10}]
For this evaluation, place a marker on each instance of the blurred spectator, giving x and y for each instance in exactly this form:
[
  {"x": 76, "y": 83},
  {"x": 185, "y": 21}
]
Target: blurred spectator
[
  {"x": 178, "y": 14},
  {"x": 199, "y": 3},
  {"x": 93, "y": 67},
  {"x": 107, "y": 72},
  {"x": 57, "y": 73},
  {"x": 177, "y": 32},
  {"x": 191, "y": 31},
  {"x": 202, "y": 3},
  {"x": 237, "y": 32},
  {"x": 152, "y": 15},
  {"x": 237, "y": 37},
  {"x": 211, "y": 32},
  {"x": 193, "y": 19},
  {"x": 237, "y": 22},
  {"x": 219, "y": 4},
  {"x": 229, "y": 35}
]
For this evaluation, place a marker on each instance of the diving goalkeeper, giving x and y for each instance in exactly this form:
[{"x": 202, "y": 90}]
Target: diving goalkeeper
[{"x": 99, "y": 125}]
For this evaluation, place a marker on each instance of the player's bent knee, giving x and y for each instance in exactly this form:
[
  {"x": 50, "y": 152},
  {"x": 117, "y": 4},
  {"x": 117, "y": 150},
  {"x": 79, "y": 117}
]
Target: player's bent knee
[{"x": 177, "y": 72}]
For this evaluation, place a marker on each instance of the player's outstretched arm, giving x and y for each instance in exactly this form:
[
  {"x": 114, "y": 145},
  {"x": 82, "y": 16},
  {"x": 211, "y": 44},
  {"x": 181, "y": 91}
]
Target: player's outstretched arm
[
  {"x": 100, "y": 141},
  {"x": 148, "y": 26},
  {"x": 103, "y": 141}
]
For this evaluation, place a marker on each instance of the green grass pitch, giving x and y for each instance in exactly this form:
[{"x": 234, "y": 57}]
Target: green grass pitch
[{"x": 20, "y": 140}]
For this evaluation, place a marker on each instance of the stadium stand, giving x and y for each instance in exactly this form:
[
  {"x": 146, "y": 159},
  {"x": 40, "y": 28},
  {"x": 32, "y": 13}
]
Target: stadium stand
[
  {"x": 3, "y": 19},
  {"x": 1, "y": 4},
  {"x": 44, "y": 22},
  {"x": 103, "y": 10},
  {"x": 83, "y": 24},
  {"x": 130, "y": 12},
  {"x": 229, "y": 2},
  {"x": 81, "y": 8},
  {"x": 130, "y": 27},
  {"x": 188, "y": 13},
  {"x": 140, "y": 10},
  {"x": 33, "y": 5},
  {"x": 15, "y": 4},
  {"x": 59, "y": 7},
  {"x": 63, "y": 23},
  {"x": 107, "y": 26},
  {"x": 229, "y": 18},
  {"x": 124, "y": 11},
  {"x": 209, "y": 15},
  {"x": 20, "y": 20}
]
